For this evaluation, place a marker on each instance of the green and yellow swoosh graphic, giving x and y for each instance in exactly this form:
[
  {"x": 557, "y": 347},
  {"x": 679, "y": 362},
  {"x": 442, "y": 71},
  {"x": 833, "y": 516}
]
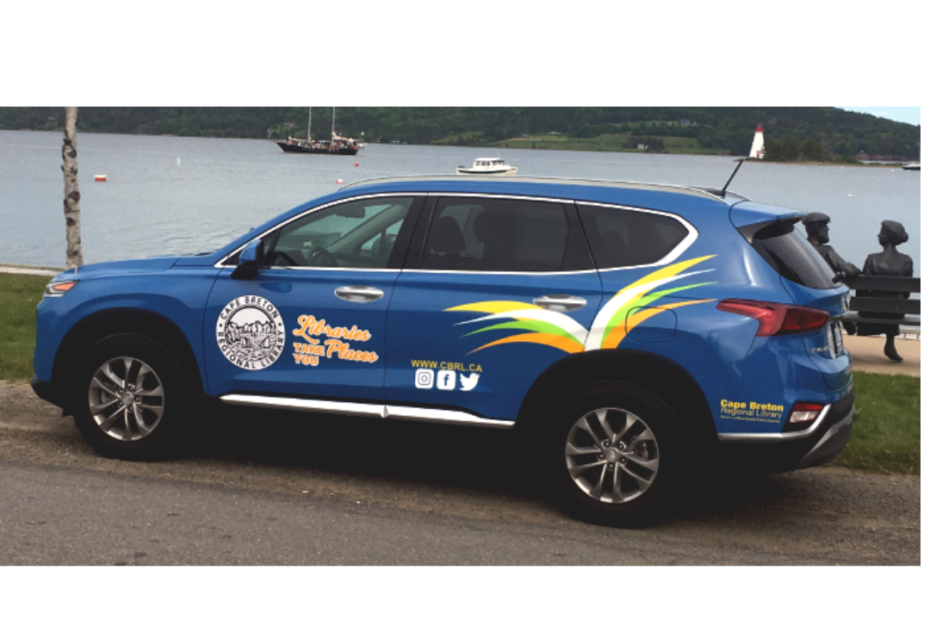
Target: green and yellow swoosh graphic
[
  {"x": 627, "y": 309},
  {"x": 543, "y": 326}
]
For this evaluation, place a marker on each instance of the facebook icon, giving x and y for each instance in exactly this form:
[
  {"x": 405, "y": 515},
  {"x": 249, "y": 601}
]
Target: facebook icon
[{"x": 446, "y": 380}]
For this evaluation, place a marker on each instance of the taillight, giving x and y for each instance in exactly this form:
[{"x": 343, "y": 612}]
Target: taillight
[
  {"x": 777, "y": 319},
  {"x": 803, "y": 415}
]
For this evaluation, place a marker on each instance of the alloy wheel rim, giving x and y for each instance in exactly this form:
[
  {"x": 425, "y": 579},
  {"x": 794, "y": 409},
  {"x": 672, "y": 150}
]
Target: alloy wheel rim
[
  {"x": 612, "y": 455},
  {"x": 126, "y": 398}
]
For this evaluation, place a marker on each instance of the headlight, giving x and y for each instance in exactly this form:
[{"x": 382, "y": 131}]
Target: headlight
[{"x": 59, "y": 288}]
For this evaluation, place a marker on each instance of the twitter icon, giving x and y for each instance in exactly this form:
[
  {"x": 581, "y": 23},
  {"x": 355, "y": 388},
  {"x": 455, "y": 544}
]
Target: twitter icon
[{"x": 470, "y": 382}]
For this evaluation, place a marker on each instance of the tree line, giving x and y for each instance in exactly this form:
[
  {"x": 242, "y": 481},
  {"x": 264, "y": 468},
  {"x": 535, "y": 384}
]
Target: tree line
[{"x": 791, "y": 133}]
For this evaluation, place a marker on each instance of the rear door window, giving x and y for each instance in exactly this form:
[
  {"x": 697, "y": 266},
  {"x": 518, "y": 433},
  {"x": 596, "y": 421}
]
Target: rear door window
[
  {"x": 487, "y": 234},
  {"x": 621, "y": 237}
]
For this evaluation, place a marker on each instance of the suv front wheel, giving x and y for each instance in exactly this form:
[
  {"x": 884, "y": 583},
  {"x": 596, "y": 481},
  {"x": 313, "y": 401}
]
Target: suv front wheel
[
  {"x": 126, "y": 395},
  {"x": 615, "y": 449}
]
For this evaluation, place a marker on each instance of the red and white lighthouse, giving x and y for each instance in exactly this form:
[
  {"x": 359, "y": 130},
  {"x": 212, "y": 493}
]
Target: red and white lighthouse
[{"x": 758, "y": 144}]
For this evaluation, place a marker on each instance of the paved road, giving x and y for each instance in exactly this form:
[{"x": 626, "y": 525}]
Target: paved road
[
  {"x": 63, "y": 516},
  {"x": 269, "y": 488}
]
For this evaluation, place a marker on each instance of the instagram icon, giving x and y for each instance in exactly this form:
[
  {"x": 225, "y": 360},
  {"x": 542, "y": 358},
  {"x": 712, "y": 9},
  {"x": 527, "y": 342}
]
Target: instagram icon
[{"x": 424, "y": 379}]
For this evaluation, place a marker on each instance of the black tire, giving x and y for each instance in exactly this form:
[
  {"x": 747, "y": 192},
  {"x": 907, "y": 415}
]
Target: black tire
[
  {"x": 669, "y": 436},
  {"x": 177, "y": 398}
]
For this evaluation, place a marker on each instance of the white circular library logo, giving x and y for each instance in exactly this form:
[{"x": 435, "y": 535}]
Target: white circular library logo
[{"x": 250, "y": 332}]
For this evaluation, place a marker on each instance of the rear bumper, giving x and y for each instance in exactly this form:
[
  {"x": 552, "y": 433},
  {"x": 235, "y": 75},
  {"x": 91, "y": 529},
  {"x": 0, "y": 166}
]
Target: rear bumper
[
  {"x": 831, "y": 443},
  {"x": 779, "y": 453}
]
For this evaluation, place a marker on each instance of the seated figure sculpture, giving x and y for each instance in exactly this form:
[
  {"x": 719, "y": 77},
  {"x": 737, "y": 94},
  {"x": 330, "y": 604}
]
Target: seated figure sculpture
[
  {"x": 818, "y": 235},
  {"x": 888, "y": 262}
]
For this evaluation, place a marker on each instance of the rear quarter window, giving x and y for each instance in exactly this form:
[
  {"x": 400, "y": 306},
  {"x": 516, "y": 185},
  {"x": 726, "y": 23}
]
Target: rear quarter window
[
  {"x": 621, "y": 237},
  {"x": 789, "y": 253}
]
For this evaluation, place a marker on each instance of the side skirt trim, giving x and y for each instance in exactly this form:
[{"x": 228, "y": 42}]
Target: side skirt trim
[{"x": 441, "y": 416}]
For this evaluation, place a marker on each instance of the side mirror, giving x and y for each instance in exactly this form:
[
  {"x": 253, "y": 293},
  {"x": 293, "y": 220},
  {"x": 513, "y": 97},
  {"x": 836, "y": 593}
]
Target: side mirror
[{"x": 249, "y": 261}]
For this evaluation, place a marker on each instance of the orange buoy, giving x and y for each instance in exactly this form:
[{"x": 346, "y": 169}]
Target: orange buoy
[
  {"x": 100, "y": 178},
  {"x": 339, "y": 181},
  {"x": 356, "y": 164}
]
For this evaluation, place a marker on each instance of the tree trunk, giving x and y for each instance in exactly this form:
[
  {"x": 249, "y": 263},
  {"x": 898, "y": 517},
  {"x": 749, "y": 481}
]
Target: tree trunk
[{"x": 74, "y": 257}]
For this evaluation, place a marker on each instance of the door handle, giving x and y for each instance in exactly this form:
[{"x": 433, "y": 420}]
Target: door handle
[
  {"x": 359, "y": 294},
  {"x": 561, "y": 303}
]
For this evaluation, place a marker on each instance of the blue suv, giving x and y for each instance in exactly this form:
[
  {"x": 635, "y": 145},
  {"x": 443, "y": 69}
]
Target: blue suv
[{"x": 631, "y": 332}]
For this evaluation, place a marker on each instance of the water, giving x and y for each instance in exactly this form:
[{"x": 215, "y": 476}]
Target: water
[{"x": 223, "y": 187}]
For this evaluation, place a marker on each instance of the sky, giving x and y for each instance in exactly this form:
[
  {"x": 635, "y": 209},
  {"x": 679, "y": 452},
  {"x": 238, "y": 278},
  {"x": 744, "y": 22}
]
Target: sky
[{"x": 905, "y": 115}]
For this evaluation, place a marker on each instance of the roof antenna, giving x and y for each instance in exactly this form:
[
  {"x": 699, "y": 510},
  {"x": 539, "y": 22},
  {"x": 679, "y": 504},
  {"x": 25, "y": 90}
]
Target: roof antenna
[{"x": 723, "y": 192}]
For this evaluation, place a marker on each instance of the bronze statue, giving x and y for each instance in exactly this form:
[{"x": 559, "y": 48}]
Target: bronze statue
[
  {"x": 818, "y": 235},
  {"x": 889, "y": 262}
]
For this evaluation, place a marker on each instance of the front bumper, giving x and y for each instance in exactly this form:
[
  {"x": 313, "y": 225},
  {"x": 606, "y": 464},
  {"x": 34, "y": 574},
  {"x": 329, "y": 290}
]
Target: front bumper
[
  {"x": 787, "y": 454},
  {"x": 46, "y": 391}
]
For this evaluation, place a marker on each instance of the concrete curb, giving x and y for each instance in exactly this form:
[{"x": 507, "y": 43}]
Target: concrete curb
[{"x": 29, "y": 270}]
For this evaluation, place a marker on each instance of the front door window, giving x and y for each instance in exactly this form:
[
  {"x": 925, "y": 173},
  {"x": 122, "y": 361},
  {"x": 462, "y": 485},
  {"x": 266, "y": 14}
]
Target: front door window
[{"x": 357, "y": 235}]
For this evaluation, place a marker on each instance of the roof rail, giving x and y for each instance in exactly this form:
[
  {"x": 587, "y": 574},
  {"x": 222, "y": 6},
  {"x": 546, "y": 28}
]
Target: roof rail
[
  {"x": 696, "y": 191},
  {"x": 721, "y": 193}
]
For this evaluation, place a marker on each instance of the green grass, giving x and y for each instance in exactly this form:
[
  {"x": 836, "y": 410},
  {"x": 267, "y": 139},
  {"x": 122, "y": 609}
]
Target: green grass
[
  {"x": 641, "y": 124},
  {"x": 468, "y": 137},
  {"x": 680, "y": 145},
  {"x": 615, "y": 142},
  {"x": 605, "y": 142},
  {"x": 19, "y": 296},
  {"x": 886, "y": 435}
]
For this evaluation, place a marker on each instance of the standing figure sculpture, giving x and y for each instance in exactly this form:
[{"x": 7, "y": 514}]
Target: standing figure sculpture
[
  {"x": 889, "y": 262},
  {"x": 818, "y": 235}
]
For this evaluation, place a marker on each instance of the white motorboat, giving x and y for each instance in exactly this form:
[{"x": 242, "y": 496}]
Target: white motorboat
[
  {"x": 488, "y": 165},
  {"x": 911, "y": 166}
]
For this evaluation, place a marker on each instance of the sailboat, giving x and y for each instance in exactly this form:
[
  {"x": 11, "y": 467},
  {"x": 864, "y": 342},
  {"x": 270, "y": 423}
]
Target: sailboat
[{"x": 338, "y": 145}]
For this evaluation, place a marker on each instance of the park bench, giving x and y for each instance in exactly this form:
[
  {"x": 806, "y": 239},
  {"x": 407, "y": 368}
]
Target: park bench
[{"x": 910, "y": 308}]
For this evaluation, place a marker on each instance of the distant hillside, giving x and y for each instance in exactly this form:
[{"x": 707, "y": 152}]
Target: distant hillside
[{"x": 791, "y": 133}]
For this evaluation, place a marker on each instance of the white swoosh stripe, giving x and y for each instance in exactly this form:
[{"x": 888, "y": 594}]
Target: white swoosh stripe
[{"x": 603, "y": 317}]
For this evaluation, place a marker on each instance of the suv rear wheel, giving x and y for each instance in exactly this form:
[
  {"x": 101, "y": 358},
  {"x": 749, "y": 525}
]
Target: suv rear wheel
[
  {"x": 615, "y": 449},
  {"x": 127, "y": 394}
]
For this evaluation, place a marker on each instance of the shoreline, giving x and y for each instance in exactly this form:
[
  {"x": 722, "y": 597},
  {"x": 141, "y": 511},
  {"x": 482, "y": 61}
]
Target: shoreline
[
  {"x": 857, "y": 164},
  {"x": 499, "y": 145}
]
